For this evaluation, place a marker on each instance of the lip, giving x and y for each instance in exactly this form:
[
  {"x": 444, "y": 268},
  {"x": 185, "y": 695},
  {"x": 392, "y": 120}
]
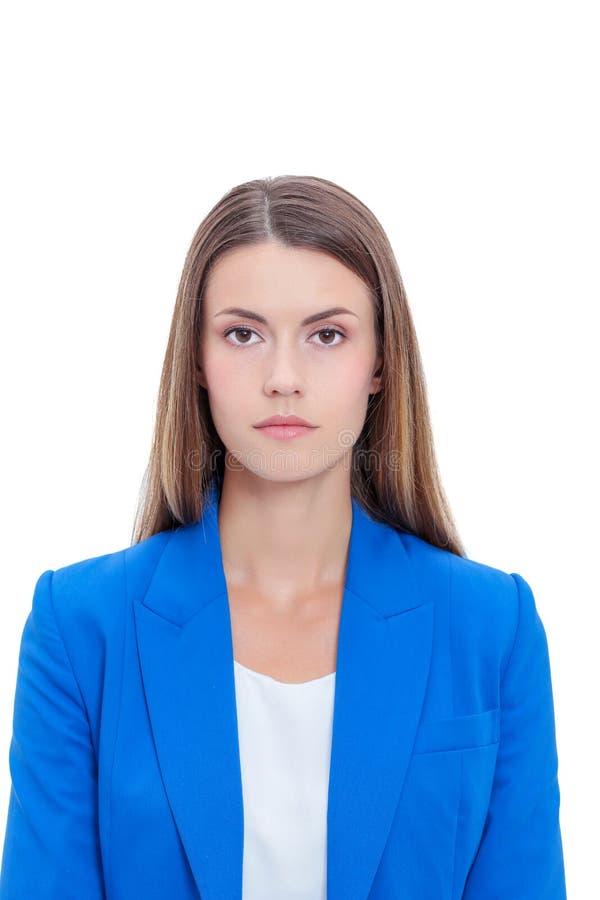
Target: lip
[
  {"x": 288, "y": 421},
  {"x": 286, "y": 432}
]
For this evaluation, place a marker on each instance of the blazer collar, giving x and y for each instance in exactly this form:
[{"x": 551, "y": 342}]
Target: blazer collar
[{"x": 185, "y": 646}]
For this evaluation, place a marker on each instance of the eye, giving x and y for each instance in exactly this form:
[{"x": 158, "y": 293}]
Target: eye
[
  {"x": 236, "y": 329},
  {"x": 330, "y": 331},
  {"x": 243, "y": 329}
]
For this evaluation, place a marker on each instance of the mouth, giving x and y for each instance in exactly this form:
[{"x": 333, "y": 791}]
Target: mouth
[
  {"x": 285, "y": 428},
  {"x": 286, "y": 432},
  {"x": 286, "y": 421}
]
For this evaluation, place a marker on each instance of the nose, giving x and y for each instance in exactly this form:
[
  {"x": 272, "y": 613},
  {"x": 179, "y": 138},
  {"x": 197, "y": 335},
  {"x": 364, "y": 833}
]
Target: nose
[{"x": 284, "y": 376}]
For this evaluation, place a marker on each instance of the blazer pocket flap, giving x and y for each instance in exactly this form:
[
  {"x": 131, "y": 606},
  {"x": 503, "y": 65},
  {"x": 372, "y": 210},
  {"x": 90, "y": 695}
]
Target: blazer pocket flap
[{"x": 459, "y": 733}]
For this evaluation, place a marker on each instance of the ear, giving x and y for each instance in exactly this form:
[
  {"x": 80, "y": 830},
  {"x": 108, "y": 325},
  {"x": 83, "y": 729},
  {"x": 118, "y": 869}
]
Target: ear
[
  {"x": 377, "y": 379},
  {"x": 200, "y": 379}
]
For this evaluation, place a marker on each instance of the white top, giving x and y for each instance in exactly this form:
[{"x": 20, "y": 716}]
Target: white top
[{"x": 284, "y": 732}]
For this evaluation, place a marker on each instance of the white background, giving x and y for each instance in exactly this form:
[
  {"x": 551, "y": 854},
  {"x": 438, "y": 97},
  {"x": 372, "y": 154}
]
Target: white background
[{"x": 471, "y": 131}]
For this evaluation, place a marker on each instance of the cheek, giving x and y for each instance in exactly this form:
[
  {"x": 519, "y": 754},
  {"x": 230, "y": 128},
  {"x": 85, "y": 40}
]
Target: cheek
[
  {"x": 345, "y": 399},
  {"x": 223, "y": 376},
  {"x": 345, "y": 381},
  {"x": 352, "y": 381}
]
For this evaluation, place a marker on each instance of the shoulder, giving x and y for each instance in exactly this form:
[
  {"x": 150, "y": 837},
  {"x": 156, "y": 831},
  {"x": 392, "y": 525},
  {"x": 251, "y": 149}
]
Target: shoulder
[
  {"x": 483, "y": 603},
  {"x": 92, "y": 594}
]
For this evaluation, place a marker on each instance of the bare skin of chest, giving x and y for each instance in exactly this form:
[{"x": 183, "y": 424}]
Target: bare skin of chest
[{"x": 289, "y": 645}]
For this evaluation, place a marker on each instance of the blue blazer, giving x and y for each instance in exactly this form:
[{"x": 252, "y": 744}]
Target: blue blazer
[{"x": 124, "y": 759}]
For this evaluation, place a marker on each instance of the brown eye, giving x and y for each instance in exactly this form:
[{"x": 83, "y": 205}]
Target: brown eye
[
  {"x": 330, "y": 332},
  {"x": 248, "y": 332},
  {"x": 239, "y": 330}
]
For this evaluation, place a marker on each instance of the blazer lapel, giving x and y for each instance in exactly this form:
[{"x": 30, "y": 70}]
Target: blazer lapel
[
  {"x": 185, "y": 648},
  {"x": 383, "y": 657}
]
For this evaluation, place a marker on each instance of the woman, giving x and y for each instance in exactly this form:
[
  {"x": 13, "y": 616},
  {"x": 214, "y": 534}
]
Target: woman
[{"x": 293, "y": 684}]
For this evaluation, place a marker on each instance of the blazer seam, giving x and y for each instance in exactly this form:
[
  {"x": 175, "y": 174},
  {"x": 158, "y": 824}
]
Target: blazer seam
[
  {"x": 456, "y": 824},
  {"x": 366, "y": 602},
  {"x": 514, "y": 640},
  {"x": 456, "y": 749},
  {"x": 109, "y": 876},
  {"x": 71, "y": 667}
]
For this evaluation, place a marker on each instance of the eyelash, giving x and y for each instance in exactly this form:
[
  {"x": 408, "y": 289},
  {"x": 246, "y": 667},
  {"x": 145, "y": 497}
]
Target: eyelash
[{"x": 320, "y": 331}]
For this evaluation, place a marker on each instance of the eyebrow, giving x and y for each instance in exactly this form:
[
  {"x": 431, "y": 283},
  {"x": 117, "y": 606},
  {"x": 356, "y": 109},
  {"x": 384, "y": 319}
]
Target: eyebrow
[{"x": 316, "y": 317}]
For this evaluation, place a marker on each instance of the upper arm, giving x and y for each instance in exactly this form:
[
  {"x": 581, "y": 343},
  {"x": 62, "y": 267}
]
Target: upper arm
[
  {"x": 520, "y": 853},
  {"x": 51, "y": 846}
]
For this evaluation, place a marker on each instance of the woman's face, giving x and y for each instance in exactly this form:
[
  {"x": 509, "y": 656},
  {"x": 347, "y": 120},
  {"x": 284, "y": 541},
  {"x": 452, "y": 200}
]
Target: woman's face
[{"x": 260, "y": 358}]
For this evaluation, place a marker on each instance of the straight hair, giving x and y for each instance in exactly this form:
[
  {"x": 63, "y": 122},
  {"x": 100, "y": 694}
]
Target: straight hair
[{"x": 394, "y": 473}]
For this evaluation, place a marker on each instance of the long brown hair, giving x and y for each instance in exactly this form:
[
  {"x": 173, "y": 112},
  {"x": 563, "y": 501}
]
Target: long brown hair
[{"x": 394, "y": 473}]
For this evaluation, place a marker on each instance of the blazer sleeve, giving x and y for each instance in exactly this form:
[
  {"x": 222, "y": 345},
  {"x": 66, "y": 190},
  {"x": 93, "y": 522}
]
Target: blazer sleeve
[
  {"x": 520, "y": 855},
  {"x": 51, "y": 844}
]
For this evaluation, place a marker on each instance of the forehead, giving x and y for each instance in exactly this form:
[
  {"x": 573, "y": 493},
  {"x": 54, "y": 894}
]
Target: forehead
[{"x": 268, "y": 273}]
